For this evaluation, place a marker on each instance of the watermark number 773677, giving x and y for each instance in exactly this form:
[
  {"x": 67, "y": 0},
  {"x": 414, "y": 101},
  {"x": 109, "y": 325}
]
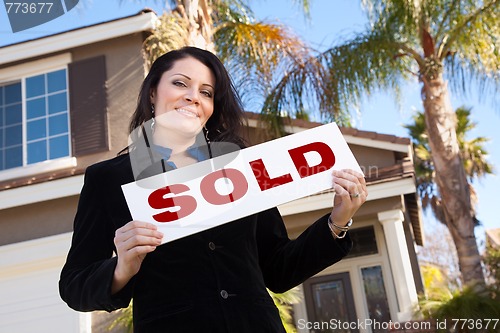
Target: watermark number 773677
[{"x": 29, "y": 7}]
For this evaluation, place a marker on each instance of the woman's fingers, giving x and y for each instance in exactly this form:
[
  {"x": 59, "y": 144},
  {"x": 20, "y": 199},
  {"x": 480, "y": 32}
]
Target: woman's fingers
[
  {"x": 352, "y": 183},
  {"x": 138, "y": 233},
  {"x": 350, "y": 194},
  {"x": 134, "y": 227},
  {"x": 138, "y": 241},
  {"x": 133, "y": 241}
]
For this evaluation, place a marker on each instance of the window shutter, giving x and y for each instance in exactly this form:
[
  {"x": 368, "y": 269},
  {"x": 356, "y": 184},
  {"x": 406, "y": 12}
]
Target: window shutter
[{"x": 87, "y": 89}]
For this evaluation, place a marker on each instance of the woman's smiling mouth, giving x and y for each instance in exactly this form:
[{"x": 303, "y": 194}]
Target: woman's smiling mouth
[{"x": 188, "y": 113}]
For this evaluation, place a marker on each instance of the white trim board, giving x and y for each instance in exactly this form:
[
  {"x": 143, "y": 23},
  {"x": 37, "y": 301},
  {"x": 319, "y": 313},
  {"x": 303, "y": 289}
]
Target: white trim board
[
  {"x": 37, "y": 168},
  {"x": 324, "y": 200},
  {"x": 34, "y": 67},
  {"x": 49, "y": 190}
]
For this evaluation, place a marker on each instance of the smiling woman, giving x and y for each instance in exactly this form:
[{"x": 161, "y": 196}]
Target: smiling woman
[
  {"x": 182, "y": 103},
  {"x": 215, "y": 279}
]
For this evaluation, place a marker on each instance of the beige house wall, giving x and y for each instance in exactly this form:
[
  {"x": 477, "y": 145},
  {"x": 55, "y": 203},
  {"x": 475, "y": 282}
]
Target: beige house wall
[
  {"x": 37, "y": 220},
  {"x": 125, "y": 73}
]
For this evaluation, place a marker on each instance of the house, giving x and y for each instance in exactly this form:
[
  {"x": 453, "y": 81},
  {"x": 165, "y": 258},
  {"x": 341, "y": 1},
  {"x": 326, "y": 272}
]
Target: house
[
  {"x": 380, "y": 279},
  {"x": 65, "y": 103}
]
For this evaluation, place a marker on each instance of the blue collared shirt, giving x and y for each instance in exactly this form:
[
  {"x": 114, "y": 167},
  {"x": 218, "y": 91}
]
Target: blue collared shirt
[{"x": 200, "y": 153}]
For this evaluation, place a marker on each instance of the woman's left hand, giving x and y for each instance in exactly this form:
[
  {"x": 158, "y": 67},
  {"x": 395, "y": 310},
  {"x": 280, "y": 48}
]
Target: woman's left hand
[{"x": 350, "y": 194}]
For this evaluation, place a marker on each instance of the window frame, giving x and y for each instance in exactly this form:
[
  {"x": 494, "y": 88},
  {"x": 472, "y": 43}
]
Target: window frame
[{"x": 18, "y": 73}]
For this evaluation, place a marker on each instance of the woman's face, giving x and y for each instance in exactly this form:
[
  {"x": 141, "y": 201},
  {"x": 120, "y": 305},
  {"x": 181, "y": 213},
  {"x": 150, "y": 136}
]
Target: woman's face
[{"x": 184, "y": 98}]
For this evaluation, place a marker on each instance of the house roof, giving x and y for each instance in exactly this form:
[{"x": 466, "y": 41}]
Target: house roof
[
  {"x": 142, "y": 21},
  {"x": 305, "y": 124},
  {"x": 351, "y": 135}
]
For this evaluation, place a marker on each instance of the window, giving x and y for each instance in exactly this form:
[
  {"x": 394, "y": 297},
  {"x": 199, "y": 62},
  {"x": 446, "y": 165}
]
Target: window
[
  {"x": 34, "y": 119},
  {"x": 364, "y": 242},
  {"x": 10, "y": 126},
  {"x": 52, "y": 110},
  {"x": 376, "y": 297}
]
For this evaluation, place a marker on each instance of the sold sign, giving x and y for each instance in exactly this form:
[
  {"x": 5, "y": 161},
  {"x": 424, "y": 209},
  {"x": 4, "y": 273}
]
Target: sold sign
[{"x": 241, "y": 183}]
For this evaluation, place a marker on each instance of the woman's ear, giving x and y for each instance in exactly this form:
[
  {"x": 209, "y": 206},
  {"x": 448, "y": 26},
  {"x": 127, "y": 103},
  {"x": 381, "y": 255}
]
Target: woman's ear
[{"x": 152, "y": 96}]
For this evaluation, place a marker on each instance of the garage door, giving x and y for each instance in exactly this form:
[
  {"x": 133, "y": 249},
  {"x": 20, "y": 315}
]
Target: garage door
[{"x": 29, "y": 296}]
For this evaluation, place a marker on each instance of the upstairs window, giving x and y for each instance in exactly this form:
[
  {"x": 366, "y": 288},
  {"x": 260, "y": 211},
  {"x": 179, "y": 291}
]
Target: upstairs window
[
  {"x": 52, "y": 110},
  {"x": 34, "y": 120},
  {"x": 11, "y": 126}
]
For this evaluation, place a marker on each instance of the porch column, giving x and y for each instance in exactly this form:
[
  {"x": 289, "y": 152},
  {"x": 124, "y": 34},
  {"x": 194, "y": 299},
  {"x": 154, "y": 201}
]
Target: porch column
[{"x": 392, "y": 223}]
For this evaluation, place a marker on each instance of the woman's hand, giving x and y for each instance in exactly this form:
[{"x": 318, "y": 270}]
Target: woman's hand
[
  {"x": 350, "y": 194},
  {"x": 133, "y": 241}
]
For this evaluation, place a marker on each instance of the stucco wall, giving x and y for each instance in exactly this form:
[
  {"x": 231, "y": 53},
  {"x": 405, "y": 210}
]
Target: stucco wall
[
  {"x": 37, "y": 220},
  {"x": 125, "y": 73}
]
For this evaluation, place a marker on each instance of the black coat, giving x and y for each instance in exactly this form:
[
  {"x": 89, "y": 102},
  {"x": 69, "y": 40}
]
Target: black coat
[{"x": 212, "y": 281}]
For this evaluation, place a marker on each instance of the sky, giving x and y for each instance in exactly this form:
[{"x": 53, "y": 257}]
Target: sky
[{"x": 330, "y": 21}]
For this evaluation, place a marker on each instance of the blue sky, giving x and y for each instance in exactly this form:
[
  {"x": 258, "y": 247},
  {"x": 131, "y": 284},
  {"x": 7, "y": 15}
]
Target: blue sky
[{"x": 330, "y": 21}]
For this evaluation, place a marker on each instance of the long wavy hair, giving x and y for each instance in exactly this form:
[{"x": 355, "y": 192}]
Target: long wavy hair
[{"x": 226, "y": 122}]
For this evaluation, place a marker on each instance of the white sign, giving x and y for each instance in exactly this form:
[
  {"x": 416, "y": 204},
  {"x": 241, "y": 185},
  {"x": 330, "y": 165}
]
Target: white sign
[{"x": 241, "y": 183}]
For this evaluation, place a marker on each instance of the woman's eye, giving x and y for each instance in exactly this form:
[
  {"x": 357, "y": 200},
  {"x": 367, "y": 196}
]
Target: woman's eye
[
  {"x": 179, "y": 84},
  {"x": 207, "y": 93}
]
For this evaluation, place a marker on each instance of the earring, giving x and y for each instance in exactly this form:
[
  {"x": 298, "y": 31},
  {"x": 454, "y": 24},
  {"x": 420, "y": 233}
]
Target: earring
[
  {"x": 153, "y": 117},
  {"x": 206, "y": 135}
]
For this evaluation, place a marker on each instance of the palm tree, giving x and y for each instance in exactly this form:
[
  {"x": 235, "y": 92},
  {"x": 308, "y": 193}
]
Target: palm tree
[
  {"x": 434, "y": 41},
  {"x": 472, "y": 153}
]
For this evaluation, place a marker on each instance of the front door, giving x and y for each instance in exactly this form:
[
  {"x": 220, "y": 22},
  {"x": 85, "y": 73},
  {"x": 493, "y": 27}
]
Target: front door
[{"x": 330, "y": 304}]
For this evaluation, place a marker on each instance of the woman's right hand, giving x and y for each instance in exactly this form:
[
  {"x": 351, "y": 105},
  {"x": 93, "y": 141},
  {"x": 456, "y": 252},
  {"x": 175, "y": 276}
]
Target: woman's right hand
[{"x": 133, "y": 241}]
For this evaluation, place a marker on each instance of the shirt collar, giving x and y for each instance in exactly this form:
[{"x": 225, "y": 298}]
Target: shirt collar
[{"x": 200, "y": 153}]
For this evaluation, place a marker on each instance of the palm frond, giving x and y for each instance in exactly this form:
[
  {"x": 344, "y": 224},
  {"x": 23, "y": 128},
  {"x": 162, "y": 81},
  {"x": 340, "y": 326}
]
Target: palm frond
[
  {"x": 284, "y": 302},
  {"x": 124, "y": 319},
  {"x": 305, "y": 5},
  {"x": 370, "y": 62},
  {"x": 170, "y": 33},
  {"x": 258, "y": 54},
  {"x": 467, "y": 303},
  {"x": 257, "y": 46},
  {"x": 398, "y": 16},
  {"x": 471, "y": 49}
]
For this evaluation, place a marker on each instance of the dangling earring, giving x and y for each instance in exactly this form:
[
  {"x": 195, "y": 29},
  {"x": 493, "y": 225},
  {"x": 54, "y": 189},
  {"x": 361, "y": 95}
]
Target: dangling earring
[
  {"x": 207, "y": 139},
  {"x": 206, "y": 135},
  {"x": 153, "y": 117}
]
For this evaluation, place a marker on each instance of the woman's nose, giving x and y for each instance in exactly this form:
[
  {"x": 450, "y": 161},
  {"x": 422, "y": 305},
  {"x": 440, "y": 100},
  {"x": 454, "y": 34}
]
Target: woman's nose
[{"x": 192, "y": 96}]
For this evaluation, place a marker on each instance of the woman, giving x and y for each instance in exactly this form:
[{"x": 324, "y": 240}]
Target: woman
[{"x": 212, "y": 281}]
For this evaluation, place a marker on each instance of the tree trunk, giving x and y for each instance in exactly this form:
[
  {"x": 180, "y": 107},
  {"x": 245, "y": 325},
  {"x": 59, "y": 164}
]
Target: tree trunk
[
  {"x": 450, "y": 177},
  {"x": 199, "y": 16}
]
